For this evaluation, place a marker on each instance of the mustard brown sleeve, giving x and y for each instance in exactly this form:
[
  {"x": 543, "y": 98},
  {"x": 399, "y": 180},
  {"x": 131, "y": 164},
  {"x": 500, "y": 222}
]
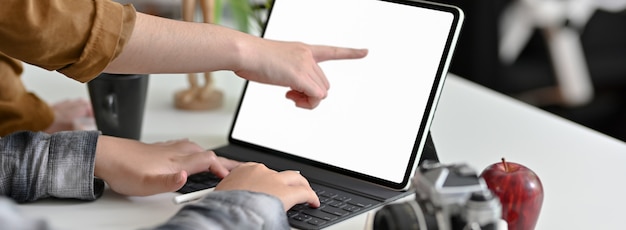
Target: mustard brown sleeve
[
  {"x": 19, "y": 109},
  {"x": 77, "y": 38}
]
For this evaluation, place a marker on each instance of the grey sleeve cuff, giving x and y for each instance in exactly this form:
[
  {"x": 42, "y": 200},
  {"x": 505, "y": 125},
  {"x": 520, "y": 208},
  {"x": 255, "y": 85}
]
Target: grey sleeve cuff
[
  {"x": 71, "y": 166},
  {"x": 38, "y": 165},
  {"x": 231, "y": 210}
]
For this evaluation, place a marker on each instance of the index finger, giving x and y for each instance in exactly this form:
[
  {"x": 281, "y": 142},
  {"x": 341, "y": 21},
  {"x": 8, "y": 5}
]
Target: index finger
[
  {"x": 324, "y": 53},
  {"x": 228, "y": 163}
]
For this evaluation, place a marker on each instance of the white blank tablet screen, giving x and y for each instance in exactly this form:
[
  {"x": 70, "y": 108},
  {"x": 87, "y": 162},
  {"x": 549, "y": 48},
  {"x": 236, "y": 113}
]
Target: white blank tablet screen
[{"x": 375, "y": 106}]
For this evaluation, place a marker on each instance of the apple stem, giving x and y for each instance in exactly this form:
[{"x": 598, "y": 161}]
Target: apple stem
[{"x": 506, "y": 166}]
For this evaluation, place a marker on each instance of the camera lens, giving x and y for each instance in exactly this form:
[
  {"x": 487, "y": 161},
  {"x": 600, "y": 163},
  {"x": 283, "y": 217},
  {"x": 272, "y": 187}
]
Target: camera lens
[
  {"x": 396, "y": 216},
  {"x": 405, "y": 216}
]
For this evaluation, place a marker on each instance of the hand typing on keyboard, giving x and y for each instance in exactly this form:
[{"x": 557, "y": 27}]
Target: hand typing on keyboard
[
  {"x": 334, "y": 206},
  {"x": 288, "y": 186},
  {"x": 138, "y": 169}
]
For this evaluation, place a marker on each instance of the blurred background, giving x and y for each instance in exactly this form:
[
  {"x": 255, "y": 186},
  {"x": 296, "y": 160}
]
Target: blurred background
[{"x": 567, "y": 57}]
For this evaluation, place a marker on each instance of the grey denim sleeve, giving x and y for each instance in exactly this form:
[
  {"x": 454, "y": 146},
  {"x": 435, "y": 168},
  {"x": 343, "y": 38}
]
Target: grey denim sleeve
[
  {"x": 230, "y": 210},
  {"x": 38, "y": 165}
]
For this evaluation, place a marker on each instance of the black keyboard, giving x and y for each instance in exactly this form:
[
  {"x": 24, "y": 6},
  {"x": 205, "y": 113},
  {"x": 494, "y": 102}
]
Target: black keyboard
[{"x": 335, "y": 205}]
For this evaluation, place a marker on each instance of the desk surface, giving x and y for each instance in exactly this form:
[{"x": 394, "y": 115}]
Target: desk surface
[{"x": 581, "y": 170}]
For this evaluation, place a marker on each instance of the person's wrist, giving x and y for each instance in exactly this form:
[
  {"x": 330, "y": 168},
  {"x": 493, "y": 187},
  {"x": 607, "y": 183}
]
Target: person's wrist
[
  {"x": 239, "y": 57},
  {"x": 247, "y": 52},
  {"x": 101, "y": 157}
]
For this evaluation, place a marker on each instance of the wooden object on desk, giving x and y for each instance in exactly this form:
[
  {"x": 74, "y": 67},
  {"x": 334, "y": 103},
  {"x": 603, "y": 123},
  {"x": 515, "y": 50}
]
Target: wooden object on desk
[{"x": 199, "y": 95}]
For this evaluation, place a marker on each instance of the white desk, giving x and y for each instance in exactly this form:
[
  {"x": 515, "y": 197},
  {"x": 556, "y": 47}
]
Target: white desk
[{"x": 582, "y": 170}]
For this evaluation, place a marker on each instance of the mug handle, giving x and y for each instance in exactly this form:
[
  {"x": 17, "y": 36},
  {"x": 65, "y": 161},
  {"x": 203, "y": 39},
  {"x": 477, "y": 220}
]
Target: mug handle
[{"x": 111, "y": 106}]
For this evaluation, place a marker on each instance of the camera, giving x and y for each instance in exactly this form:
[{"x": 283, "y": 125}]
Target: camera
[{"x": 447, "y": 197}]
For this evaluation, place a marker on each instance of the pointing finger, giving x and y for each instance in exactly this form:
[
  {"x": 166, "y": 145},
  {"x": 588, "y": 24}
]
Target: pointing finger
[{"x": 324, "y": 53}]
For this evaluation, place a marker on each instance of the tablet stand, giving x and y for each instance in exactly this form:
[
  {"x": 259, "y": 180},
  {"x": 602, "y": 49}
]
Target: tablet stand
[{"x": 429, "y": 152}]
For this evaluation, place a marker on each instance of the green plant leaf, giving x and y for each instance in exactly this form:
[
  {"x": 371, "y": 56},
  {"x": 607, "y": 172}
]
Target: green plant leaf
[
  {"x": 217, "y": 11},
  {"x": 241, "y": 13},
  {"x": 244, "y": 12}
]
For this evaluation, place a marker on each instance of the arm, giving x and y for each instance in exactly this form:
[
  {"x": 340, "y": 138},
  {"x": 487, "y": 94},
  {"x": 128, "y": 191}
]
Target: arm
[
  {"x": 83, "y": 38},
  {"x": 247, "y": 199},
  {"x": 65, "y": 174},
  {"x": 14, "y": 96},
  {"x": 230, "y": 210},
  {"x": 76, "y": 38},
  {"x": 74, "y": 165},
  {"x": 218, "y": 210},
  {"x": 160, "y": 45},
  {"x": 67, "y": 165},
  {"x": 39, "y": 165}
]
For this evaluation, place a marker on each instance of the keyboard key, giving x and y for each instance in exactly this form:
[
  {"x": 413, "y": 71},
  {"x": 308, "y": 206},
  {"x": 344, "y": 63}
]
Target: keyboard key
[
  {"x": 299, "y": 207},
  {"x": 301, "y": 217},
  {"x": 329, "y": 194},
  {"x": 359, "y": 203},
  {"x": 336, "y": 204},
  {"x": 320, "y": 214},
  {"x": 325, "y": 200},
  {"x": 316, "y": 222},
  {"x": 335, "y": 211},
  {"x": 292, "y": 213},
  {"x": 351, "y": 208}
]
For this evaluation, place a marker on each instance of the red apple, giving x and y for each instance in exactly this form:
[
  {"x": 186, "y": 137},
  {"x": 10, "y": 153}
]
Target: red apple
[{"x": 520, "y": 192}]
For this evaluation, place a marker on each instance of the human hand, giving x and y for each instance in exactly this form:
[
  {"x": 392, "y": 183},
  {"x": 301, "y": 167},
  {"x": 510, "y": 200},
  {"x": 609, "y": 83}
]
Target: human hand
[
  {"x": 67, "y": 112},
  {"x": 138, "y": 169},
  {"x": 289, "y": 186},
  {"x": 295, "y": 65}
]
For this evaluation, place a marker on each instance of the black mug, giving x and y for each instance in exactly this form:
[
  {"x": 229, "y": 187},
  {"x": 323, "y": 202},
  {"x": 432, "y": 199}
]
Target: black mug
[{"x": 118, "y": 102}]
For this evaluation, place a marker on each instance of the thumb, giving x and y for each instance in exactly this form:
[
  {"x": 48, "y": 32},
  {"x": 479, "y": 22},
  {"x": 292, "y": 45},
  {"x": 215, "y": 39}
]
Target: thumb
[{"x": 172, "y": 182}]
